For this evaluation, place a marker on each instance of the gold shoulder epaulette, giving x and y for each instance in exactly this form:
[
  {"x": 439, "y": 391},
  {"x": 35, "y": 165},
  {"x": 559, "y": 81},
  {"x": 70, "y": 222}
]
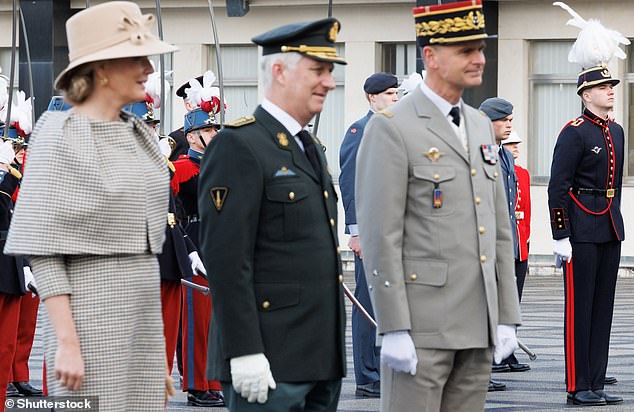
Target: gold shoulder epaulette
[
  {"x": 241, "y": 121},
  {"x": 577, "y": 122},
  {"x": 386, "y": 113}
]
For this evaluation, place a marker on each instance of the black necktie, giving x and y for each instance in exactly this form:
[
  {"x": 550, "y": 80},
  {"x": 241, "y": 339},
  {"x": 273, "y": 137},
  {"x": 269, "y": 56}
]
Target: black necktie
[
  {"x": 455, "y": 115},
  {"x": 310, "y": 150}
]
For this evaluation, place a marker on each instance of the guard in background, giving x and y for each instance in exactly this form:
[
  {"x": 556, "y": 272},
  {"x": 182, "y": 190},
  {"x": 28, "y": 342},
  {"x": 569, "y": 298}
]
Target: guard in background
[
  {"x": 584, "y": 198},
  {"x": 381, "y": 92},
  {"x": 14, "y": 276},
  {"x": 500, "y": 112},
  {"x": 200, "y": 127},
  {"x": 522, "y": 211}
]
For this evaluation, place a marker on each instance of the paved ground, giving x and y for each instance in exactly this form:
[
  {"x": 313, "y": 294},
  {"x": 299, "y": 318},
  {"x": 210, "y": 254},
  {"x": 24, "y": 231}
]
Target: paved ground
[{"x": 541, "y": 389}]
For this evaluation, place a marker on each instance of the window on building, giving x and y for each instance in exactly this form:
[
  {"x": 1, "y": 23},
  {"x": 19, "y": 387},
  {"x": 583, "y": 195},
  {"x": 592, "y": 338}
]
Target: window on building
[
  {"x": 399, "y": 59},
  {"x": 331, "y": 122},
  {"x": 240, "y": 78},
  {"x": 553, "y": 101},
  {"x": 169, "y": 100}
]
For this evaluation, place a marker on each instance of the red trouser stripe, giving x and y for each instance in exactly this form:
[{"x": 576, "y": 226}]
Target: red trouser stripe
[{"x": 570, "y": 327}]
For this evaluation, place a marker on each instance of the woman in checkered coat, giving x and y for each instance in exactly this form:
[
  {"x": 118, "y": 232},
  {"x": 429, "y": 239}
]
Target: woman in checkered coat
[{"x": 92, "y": 214}]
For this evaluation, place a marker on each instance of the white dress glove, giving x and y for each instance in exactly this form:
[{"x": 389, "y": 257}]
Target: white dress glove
[
  {"x": 398, "y": 352},
  {"x": 506, "y": 342},
  {"x": 28, "y": 278},
  {"x": 7, "y": 154},
  {"x": 197, "y": 264},
  {"x": 165, "y": 147},
  {"x": 251, "y": 377},
  {"x": 562, "y": 249}
]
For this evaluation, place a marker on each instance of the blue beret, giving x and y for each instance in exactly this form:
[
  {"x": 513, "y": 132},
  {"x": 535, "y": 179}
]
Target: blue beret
[
  {"x": 143, "y": 110},
  {"x": 379, "y": 82},
  {"x": 58, "y": 104},
  {"x": 496, "y": 108}
]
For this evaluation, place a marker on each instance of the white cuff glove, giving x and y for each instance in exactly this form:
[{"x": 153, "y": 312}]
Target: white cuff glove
[
  {"x": 506, "y": 342},
  {"x": 6, "y": 152},
  {"x": 28, "y": 278},
  {"x": 164, "y": 147},
  {"x": 197, "y": 264},
  {"x": 251, "y": 377},
  {"x": 562, "y": 250},
  {"x": 398, "y": 352}
]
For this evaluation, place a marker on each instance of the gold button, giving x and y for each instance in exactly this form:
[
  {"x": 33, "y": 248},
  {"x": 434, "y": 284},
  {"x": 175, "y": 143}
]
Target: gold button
[
  {"x": 325, "y": 194},
  {"x": 332, "y": 222},
  {"x": 436, "y": 176},
  {"x": 291, "y": 195},
  {"x": 266, "y": 304},
  {"x": 559, "y": 220},
  {"x": 338, "y": 250},
  {"x": 482, "y": 229},
  {"x": 483, "y": 258},
  {"x": 473, "y": 172},
  {"x": 340, "y": 278},
  {"x": 413, "y": 276},
  {"x": 477, "y": 200},
  {"x": 495, "y": 174}
]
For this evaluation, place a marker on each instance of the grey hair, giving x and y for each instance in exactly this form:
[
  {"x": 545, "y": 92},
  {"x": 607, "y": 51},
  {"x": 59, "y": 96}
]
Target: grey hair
[{"x": 289, "y": 60}]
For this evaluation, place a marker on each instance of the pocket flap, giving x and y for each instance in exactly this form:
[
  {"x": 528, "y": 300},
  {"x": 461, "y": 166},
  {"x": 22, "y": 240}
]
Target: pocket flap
[
  {"x": 425, "y": 272},
  {"x": 491, "y": 172},
  {"x": 286, "y": 193},
  {"x": 434, "y": 173},
  {"x": 272, "y": 296}
]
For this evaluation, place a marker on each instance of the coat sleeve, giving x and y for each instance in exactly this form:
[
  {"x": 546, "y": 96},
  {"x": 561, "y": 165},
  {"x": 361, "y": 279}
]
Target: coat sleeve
[
  {"x": 228, "y": 236},
  {"x": 566, "y": 156},
  {"x": 50, "y": 276},
  {"x": 347, "y": 162},
  {"x": 381, "y": 194}
]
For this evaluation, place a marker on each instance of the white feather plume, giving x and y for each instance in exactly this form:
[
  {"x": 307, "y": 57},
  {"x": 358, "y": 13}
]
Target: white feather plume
[
  {"x": 21, "y": 113},
  {"x": 595, "y": 44},
  {"x": 197, "y": 93},
  {"x": 4, "y": 94},
  {"x": 153, "y": 87},
  {"x": 412, "y": 82}
]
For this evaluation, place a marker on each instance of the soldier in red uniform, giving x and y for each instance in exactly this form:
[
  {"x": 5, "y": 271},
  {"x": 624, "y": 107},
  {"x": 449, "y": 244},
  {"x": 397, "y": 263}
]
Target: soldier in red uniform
[
  {"x": 522, "y": 211},
  {"x": 200, "y": 127}
]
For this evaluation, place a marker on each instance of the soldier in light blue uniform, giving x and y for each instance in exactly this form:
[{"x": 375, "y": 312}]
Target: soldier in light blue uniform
[{"x": 380, "y": 90}]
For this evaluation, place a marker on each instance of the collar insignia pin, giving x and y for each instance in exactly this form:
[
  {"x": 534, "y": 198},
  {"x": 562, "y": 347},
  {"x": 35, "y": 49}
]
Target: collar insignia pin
[{"x": 282, "y": 139}]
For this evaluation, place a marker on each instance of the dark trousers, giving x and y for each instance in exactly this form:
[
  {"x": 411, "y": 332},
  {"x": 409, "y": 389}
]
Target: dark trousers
[
  {"x": 320, "y": 396},
  {"x": 589, "y": 285},
  {"x": 365, "y": 353}
]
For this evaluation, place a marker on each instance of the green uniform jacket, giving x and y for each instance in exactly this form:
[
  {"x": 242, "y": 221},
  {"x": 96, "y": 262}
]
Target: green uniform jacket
[{"x": 269, "y": 241}]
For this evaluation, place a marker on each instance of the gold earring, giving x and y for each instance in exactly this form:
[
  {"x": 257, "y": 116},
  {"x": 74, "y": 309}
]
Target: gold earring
[{"x": 103, "y": 81}]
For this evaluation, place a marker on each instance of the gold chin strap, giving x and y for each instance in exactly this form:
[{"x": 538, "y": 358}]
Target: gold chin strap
[
  {"x": 15, "y": 172},
  {"x": 322, "y": 52}
]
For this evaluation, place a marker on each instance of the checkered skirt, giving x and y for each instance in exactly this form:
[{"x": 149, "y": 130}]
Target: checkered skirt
[{"x": 116, "y": 306}]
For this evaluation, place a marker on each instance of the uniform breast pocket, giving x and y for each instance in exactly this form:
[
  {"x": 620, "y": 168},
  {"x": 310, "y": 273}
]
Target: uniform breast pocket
[
  {"x": 288, "y": 211},
  {"x": 432, "y": 189}
]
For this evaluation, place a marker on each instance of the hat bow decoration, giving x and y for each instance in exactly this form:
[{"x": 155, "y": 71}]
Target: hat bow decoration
[{"x": 138, "y": 30}]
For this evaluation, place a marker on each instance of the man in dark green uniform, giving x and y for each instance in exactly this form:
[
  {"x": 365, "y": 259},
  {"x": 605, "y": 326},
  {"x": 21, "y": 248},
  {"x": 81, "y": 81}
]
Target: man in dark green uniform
[{"x": 269, "y": 237}]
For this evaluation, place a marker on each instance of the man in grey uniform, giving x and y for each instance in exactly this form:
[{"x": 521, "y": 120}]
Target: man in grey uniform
[{"x": 434, "y": 228}]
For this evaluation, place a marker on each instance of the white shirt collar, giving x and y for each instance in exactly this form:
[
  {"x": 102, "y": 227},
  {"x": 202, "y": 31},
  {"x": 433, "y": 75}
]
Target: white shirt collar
[
  {"x": 281, "y": 116},
  {"x": 443, "y": 105}
]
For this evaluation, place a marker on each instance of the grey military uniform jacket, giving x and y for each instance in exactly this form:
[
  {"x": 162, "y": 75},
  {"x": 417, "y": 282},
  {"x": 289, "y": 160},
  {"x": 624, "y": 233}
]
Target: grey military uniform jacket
[{"x": 446, "y": 274}]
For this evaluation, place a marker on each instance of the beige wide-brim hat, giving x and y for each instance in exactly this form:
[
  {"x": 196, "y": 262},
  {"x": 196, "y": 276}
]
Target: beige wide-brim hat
[
  {"x": 514, "y": 137},
  {"x": 112, "y": 30}
]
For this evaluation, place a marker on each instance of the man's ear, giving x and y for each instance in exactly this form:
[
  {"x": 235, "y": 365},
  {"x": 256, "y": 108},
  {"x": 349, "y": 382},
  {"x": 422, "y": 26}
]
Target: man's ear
[
  {"x": 278, "y": 71},
  {"x": 429, "y": 54}
]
